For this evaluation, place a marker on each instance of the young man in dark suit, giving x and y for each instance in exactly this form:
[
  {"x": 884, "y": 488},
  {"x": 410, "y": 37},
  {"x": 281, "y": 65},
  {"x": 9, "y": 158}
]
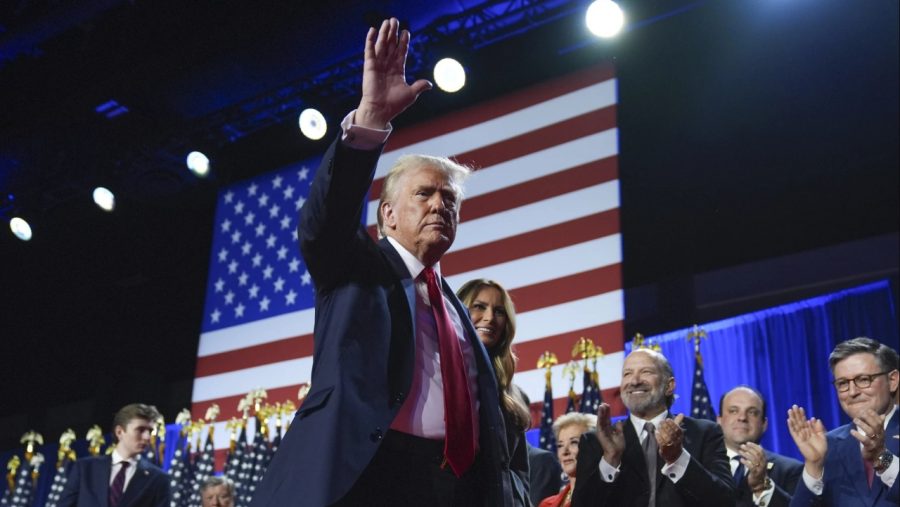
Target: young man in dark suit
[
  {"x": 854, "y": 465},
  {"x": 652, "y": 459},
  {"x": 762, "y": 478},
  {"x": 123, "y": 478}
]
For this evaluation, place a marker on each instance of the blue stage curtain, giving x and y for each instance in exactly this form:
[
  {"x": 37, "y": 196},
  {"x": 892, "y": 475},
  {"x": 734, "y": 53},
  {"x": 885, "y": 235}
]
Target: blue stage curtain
[{"x": 783, "y": 353}]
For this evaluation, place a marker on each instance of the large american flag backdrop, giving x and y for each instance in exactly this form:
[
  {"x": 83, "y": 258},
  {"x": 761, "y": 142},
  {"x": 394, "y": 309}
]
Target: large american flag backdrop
[{"x": 541, "y": 217}]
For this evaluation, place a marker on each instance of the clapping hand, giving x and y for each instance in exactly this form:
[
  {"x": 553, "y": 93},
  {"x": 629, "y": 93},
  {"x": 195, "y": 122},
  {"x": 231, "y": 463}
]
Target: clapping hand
[
  {"x": 611, "y": 437},
  {"x": 809, "y": 435},
  {"x": 670, "y": 438},
  {"x": 870, "y": 433},
  {"x": 753, "y": 457}
]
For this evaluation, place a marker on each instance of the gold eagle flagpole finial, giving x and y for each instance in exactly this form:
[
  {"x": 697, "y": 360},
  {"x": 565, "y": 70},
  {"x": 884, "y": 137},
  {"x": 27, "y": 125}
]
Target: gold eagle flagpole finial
[
  {"x": 31, "y": 438},
  {"x": 95, "y": 440},
  {"x": 547, "y": 361}
]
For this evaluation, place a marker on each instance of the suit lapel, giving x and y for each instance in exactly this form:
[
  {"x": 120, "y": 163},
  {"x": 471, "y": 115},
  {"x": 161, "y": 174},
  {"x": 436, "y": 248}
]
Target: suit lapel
[
  {"x": 138, "y": 483},
  {"x": 852, "y": 465},
  {"x": 402, "y": 350}
]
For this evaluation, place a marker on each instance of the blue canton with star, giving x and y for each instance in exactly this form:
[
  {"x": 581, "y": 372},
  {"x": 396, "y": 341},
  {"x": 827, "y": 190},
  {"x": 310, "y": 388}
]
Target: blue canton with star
[{"x": 256, "y": 270}]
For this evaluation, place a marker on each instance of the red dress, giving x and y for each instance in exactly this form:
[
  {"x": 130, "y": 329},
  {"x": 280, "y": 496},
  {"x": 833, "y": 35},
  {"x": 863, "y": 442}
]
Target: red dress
[{"x": 562, "y": 499}]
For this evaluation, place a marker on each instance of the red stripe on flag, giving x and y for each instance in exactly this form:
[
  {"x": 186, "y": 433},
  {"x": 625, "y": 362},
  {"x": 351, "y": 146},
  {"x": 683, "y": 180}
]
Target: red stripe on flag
[
  {"x": 228, "y": 405},
  {"x": 608, "y": 336},
  {"x": 256, "y": 355},
  {"x": 532, "y": 242},
  {"x": 506, "y": 104},
  {"x": 219, "y": 457},
  {"x": 530, "y": 142}
]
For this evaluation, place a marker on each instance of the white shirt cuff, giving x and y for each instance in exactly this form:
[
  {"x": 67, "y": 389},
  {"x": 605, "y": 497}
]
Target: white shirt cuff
[
  {"x": 817, "y": 486},
  {"x": 890, "y": 475},
  {"x": 676, "y": 470},
  {"x": 362, "y": 138},
  {"x": 608, "y": 472},
  {"x": 764, "y": 497}
]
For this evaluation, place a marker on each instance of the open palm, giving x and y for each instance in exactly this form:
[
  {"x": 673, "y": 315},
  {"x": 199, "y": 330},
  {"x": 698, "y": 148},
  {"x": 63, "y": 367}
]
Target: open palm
[
  {"x": 385, "y": 93},
  {"x": 808, "y": 434}
]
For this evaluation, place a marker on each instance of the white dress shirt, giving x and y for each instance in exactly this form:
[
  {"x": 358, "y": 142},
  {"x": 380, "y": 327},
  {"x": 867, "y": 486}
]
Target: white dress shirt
[{"x": 117, "y": 460}]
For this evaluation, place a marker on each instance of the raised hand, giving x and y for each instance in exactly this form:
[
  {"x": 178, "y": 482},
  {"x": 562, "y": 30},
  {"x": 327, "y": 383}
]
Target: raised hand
[
  {"x": 870, "y": 433},
  {"x": 611, "y": 437},
  {"x": 670, "y": 438},
  {"x": 809, "y": 435},
  {"x": 385, "y": 93}
]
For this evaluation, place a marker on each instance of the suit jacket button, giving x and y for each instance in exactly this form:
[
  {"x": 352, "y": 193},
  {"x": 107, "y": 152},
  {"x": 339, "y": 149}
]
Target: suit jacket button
[{"x": 376, "y": 435}]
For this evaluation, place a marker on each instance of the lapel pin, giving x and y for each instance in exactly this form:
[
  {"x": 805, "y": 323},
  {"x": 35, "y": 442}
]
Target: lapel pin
[{"x": 770, "y": 465}]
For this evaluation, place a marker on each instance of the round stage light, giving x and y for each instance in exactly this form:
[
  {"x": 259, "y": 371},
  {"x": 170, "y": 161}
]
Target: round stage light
[
  {"x": 20, "y": 228},
  {"x": 605, "y": 18},
  {"x": 198, "y": 163},
  {"x": 312, "y": 124},
  {"x": 104, "y": 198},
  {"x": 449, "y": 75}
]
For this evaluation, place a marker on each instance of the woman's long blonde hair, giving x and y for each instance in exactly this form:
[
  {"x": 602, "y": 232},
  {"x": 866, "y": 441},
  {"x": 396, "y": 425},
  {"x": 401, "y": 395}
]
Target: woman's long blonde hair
[{"x": 502, "y": 355}]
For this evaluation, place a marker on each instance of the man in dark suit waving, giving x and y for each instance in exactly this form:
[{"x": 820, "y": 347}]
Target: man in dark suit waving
[
  {"x": 652, "y": 459},
  {"x": 762, "y": 478},
  {"x": 123, "y": 478},
  {"x": 403, "y": 407}
]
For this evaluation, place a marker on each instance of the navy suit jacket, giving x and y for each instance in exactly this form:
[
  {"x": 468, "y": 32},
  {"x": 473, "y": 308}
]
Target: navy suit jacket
[
  {"x": 845, "y": 476},
  {"x": 364, "y": 352},
  {"x": 88, "y": 485},
  {"x": 707, "y": 482},
  {"x": 545, "y": 474},
  {"x": 784, "y": 472}
]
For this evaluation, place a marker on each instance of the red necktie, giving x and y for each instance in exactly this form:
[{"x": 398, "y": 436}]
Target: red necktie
[
  {"x": 459, "y": 445},
  {"x": 870, "y": 472},
  {"x": 117, "y": 486}
]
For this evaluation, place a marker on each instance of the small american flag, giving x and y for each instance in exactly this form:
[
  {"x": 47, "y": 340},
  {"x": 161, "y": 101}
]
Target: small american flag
[
  {"x": 701, "y": 407},
  {"x": 547, "y": 440}
]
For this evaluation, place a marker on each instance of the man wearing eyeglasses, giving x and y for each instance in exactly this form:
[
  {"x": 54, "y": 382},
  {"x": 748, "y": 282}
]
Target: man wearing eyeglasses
[{"x": 856, "y": 464}]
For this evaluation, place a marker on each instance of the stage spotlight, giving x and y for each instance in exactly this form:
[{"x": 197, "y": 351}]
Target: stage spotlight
[
  {"x": 605, "y": 18},
  {"x": 198, "y": 163},
  {"x": 104, "y": 198},
  {"x": 20, "y": 228},
  {"x": 312, "y": 124},
  {"x": 449, "y": 75}
]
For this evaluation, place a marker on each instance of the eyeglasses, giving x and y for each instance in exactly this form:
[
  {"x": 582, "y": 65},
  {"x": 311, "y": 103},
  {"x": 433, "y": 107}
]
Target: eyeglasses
[{"x": 861, "y": 381}]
